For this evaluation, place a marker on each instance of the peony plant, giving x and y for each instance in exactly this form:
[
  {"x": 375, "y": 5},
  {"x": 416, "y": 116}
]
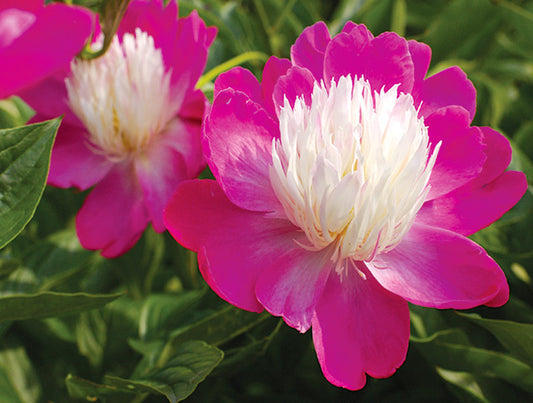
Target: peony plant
[
  {"x": 131, "y": 126},
  {"x": 347, "y": 182}
]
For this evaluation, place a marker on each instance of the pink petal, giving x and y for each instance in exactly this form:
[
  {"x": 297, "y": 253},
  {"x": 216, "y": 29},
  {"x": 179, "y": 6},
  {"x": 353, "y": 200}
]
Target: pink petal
[
  {"x": 498, "y": 151},
  {"x": 49, "y": 98},
  {"x": 421, "y": 56},
  {"x": 308, "y": 50},
  {"x": 359, "y": 328},
  {"x": 242, "y": 80},
  {"x": 113, "y": 216},
  {"x": 384, "y": 61},
  {"x": 57, "y": 34},
  {"x": 448, "y": 87},
  {"x": 495, "y": 190},
  {"x": 151, "y": 17},
  {"x": 186, "y": 53},
  {"x": 297, "y": 83},
  {"x": 274, "y": 69},
  {"x": 28, "y": 5},
  {"x": 461, "y": 155},
  {"x": 176, "y": 156},
  {"x": 237, "y": 144},
  {"x": 233, "y": 245},
  {"x": 359, "y": 31},
  {"x": 437, "y": 268},
  {"x": 13, "y": 23},
  {"x": 194, "y": 106},
  {"x": 73, "y": 163},
  {"x": 291, "y": 285},
  {"x": 469, "y": 209}
]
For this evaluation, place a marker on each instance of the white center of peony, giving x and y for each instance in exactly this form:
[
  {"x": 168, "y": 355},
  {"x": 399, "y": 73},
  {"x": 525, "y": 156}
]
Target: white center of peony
[
  {"x": 123, "y": 98},
  {"x": 352, "y": 169}
]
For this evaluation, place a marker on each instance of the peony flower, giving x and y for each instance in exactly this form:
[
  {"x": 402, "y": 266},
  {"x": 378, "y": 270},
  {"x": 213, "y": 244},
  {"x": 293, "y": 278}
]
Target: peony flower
[
  {"x": 346, "y": 184},
  {"x": 132, "y": 123},
  {"x": 36, "y": 40}
]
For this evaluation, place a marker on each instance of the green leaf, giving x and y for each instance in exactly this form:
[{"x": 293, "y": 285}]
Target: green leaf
[
  {"x": 473, "y": 24},
  {"x": 18, "y": 380},
  {"x": 24, "y": 162},
  {"x": 91, "y": 336},
  {"x": 80, "y": 388},
  {"x": 162, "y": 310},
  {"x": 463, "y": 385},
  {"x": 219, "y": 327},
  {"x": 46, "y": 304},
  {"x": 446, "y": 350},
  {"x": 515, "y": 337},
  {"x": 193, "y": 361},
  {"x": 190, "y": 365}
]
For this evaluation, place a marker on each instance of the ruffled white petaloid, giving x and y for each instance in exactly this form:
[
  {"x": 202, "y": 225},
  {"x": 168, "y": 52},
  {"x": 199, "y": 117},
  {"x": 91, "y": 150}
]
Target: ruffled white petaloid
[
  {"x": 124, "y": 97},
  {"x": 352, "y": 169}
]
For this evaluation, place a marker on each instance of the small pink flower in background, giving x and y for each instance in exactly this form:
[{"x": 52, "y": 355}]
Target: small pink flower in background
[
  {"x": 36, "y": 40},
  {"x": 347, "y": 183},
  {"x": 132, "y": 123}
]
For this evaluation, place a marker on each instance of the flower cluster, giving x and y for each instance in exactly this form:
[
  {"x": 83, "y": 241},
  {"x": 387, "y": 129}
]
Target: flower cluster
[{"x": 346, "y": 181}]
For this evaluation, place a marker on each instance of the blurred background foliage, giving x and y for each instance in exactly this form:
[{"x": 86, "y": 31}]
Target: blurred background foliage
[{"x": 145, "y": 327}]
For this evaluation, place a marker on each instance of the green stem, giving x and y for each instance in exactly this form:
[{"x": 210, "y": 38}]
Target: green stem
[{"x": 235, "y": 61}]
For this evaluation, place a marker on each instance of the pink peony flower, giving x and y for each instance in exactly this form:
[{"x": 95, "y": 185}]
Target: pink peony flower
[
  {"x": 347, "y": 183},
  {"x": 132, "y": 123},
  {"x": 36, "y": 40}
]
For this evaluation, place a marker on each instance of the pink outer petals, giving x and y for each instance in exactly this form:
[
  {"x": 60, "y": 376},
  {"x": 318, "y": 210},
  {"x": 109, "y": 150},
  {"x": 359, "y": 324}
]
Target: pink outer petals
[
  {"x": 237, "y": 145},
  {"x": 497, "y": 191},
  {"x": 71, "y": 156},
  {"x": 359, "y": 328},
  {"x": 38, "y": 41},
  {"x": 384, "y": 61},
  {"x": 439, "y": 268},
  {"x": 297, "y": 83},
  {"x": 292, "y": 284},
  {"x": 461, "y": 155},
  {"x": 113, "y": 216},
  {"x": 308, "y": 50},
  {"x": 234, "y": 245},
  {"x": 448, "y": 87},
  {"x": 165, "y": 165}
]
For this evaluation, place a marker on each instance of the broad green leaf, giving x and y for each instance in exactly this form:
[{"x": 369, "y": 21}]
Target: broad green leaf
[
  {"x": 18, "y": 379},
  {"x": 79, "y": 388},
  {"x": 515, "y": 337},
  {"x": 455, "y": 355},
  {"x": 176, "y": 380},
  {"x": 46, "y": 304},
  {"x": 463, "y": 385},
  {"x": 24, "y": 162},
  {"x": 91, "y": 336},
  {"x": 219, "y": 327},
  {"x": 162, "y": 310},
  {"x": 193, "y": 361}
]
